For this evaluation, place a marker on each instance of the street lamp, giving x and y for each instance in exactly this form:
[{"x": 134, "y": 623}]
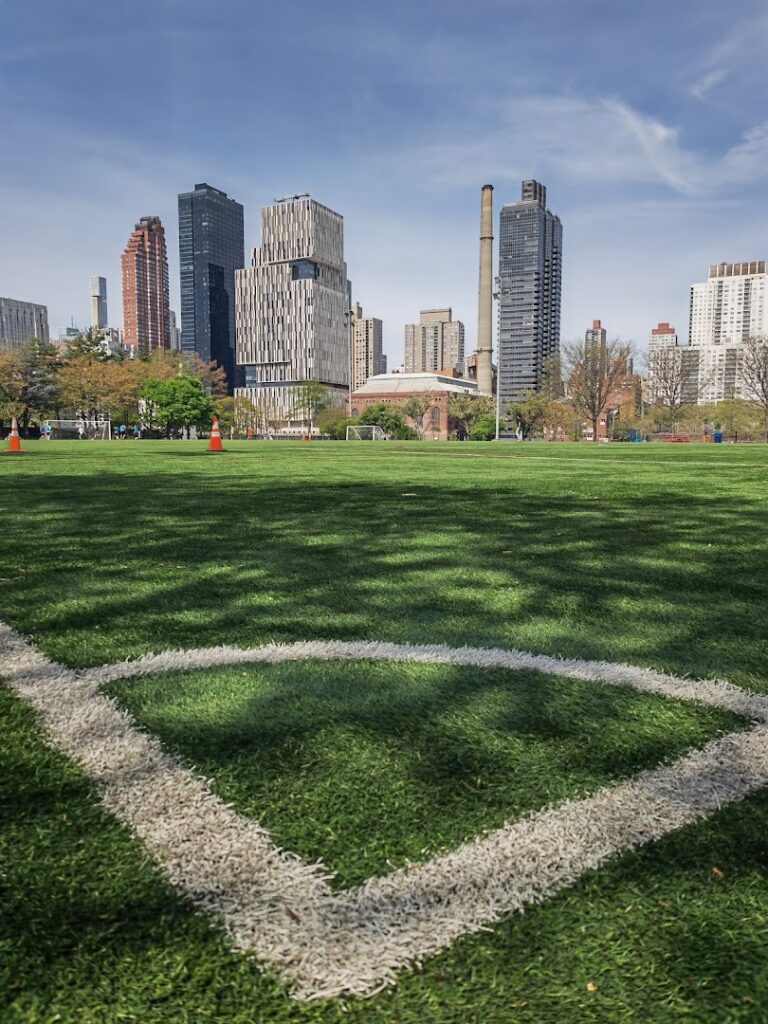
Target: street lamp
[
  {"x": 497, "y": 295},
  {"x": 349, "y": 318}
]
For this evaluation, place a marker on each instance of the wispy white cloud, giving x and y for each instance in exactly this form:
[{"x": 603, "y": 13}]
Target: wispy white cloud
[{"x": 587, "y": 140}]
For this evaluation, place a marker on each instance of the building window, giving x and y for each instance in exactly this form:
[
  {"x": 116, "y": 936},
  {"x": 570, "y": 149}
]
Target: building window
[{"x": 303, "y": 270}]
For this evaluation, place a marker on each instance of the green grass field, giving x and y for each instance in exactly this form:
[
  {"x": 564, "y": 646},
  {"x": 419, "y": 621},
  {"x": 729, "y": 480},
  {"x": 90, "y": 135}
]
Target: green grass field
[{"x": 653, "y": 555}]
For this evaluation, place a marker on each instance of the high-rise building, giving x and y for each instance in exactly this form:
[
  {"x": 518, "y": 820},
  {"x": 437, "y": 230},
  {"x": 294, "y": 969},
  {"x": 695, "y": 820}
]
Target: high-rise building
[
  {"x": 99, "y": 302},
  {"x": 663, "y": 336},
  {"x": 726, "y": 310},
  {"x": 530, "y": 271},
  {"x": 21, "y": 321},
  {"x": 595, "y": 335},
  {"x": 435, "y": 343},
  {"x": 367, "y": 358},
  {"x": 291, "y": 305},
  {"x": 175, "y": 332},
  {"x": 145, "y": 287},
  {"x": 731, "y": 305},
  {"x": 211, "y": 249}
]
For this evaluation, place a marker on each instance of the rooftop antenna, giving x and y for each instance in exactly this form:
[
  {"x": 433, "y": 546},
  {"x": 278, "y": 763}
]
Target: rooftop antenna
[{"x": 288, "y": 199}]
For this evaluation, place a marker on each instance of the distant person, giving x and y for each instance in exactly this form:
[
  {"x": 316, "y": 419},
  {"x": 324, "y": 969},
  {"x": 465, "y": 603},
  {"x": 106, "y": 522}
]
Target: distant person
[
  {"x": 80, "y": 431},
  {"x": 123, "y": 429},
  {"x": 461, "y": 434},
  {"x": 249, "y": 433},
  {"x": 47, "y": 431},
  {"x": 136, "y": 433},
  {"x": 41, "y": 428}
]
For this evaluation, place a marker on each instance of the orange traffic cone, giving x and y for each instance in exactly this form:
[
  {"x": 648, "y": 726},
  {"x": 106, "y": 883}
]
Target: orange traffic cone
[
  {"x": 14, "y": 439},
  {"x": 215, "y": 443}
]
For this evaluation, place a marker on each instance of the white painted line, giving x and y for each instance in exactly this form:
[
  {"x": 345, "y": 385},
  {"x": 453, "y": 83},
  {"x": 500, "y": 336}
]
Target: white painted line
[{"x": 281, "y": 910}]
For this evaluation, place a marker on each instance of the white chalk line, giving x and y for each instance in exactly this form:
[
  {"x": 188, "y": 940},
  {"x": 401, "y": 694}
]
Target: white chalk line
[{"x": 281, "y": 910}]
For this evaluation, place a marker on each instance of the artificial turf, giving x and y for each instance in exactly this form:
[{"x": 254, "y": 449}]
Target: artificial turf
[
  {"x": 651, "y": 554},
  {"x": 367, "y": 765}
]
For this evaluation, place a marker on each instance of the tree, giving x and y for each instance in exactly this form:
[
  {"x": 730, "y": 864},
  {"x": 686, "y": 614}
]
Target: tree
[
  {"x": 484, "y": 429},
  {"x": 552, "y": 377},
  {"x": 177, "y": 403},
  {"x": 84, "y": 386},
  {"x": 557, "y": 419},
  {"x": 333, "y": 422},
  {"x": 415, "y": 407},
  {"x": 468, "y": 409},
  {"x": 754, "y": 374},
  {"x": 11, "y": 386},
  {"x": 37, "y": 367},
  {"x": 311, "y": 397},
  {"x": 528, "y": 412},
  {"x": 165, "y": 363},
  {"x": 87, "y": 344},
  {"x": 389, "y": 418},
  {"x": 595, "y": 371},
  {"x": 670, "y": 384}
]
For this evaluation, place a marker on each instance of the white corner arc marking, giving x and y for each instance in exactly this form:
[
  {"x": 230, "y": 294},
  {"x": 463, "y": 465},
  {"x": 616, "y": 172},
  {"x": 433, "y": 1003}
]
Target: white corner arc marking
[{"x": 281, "y": 910}]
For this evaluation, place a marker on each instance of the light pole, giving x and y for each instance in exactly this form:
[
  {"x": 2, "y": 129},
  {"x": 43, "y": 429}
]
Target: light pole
[
  {"x": 497, "y": 295},
  {"x": 349, "y": 318}
]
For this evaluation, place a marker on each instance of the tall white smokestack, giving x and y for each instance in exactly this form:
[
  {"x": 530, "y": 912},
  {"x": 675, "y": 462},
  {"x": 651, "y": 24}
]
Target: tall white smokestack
[{"x": 485, "y": 295}]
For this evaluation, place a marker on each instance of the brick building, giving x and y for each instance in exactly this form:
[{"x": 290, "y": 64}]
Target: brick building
[
  {"x": 146, "y": 316},
  {"x": 396, "y": 388}
]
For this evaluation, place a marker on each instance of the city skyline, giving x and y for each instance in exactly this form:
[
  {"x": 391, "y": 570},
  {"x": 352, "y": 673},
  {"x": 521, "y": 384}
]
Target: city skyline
[{"x": 655, "y": 174}]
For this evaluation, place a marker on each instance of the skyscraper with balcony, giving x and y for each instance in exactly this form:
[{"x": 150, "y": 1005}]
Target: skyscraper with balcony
[
  {"x": 530, "y": 269},
  {"x": 146, "y": 320},
  {"x": 211, "y": 249},
  {"x": 291, "y": 305}
]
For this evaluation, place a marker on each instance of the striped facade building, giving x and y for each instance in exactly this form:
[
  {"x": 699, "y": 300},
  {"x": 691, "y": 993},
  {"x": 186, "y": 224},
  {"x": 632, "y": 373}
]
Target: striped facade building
[{"x": 291, "y": 306}]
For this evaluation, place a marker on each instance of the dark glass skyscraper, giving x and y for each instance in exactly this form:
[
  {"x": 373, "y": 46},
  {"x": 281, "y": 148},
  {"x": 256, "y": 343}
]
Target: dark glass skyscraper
[
  {"x": 530, "y": 268},
  {"x": 211, "y": 249}
]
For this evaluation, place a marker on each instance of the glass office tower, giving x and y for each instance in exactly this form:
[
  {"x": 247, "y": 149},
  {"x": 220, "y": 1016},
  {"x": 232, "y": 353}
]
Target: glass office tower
[
  {"x": 530, "y": 268},
  {"x": 211, "y": 249}
]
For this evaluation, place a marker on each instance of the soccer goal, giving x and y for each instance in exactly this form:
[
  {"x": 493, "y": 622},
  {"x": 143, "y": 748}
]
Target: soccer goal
[
  {"x": 73, "y": 430},
  {"x": 366, "y": 432}
]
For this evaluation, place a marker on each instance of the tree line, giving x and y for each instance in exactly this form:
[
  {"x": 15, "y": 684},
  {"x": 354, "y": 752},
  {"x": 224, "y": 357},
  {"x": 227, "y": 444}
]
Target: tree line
[{"x": 165, "y": 392}]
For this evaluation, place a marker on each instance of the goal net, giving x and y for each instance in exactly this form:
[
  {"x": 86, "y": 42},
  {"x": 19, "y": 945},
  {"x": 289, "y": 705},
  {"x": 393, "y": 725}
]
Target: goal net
[
  {"x": 73, "y": 430},
  {"x": 366, "y": 432}
]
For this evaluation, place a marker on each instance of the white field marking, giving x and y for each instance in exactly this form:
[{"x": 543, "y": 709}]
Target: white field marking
[{"x": 281, "y": 910}]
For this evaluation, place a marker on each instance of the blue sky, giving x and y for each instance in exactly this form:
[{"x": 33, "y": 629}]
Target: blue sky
[{"x": 647, "y": 122}]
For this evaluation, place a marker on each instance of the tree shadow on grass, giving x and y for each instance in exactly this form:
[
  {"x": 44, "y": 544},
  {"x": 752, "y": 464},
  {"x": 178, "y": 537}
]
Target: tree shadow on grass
[
  {"x": 120, "y": 564},
  {"x": 364, "y": 765}
]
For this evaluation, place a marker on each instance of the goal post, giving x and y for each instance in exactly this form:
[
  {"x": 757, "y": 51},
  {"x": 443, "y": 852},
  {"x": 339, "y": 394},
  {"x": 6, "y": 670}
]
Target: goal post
[
  {"x": 366, "y": 432},
  {"x": 74, "y": 430}
]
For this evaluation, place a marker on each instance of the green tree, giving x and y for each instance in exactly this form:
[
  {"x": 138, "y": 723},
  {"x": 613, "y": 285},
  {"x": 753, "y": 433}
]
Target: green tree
[
  {"x": 528, "y": 412},
  {"x": 38, "y": 367},
  {"x": 484, "y": 429},
  {"x": 177, "y": 403},
  {"x": 311, "y": 398},
  {"x": 389, "y": 418},
  {"x": 86, "y": 345},
  {"x": 415, "y": 407},
  {"x": 467, "y": 410},
  {"x": 333, "y": 422}
]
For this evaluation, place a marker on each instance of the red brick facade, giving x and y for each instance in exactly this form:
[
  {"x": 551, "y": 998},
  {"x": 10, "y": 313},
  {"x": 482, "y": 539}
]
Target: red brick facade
[
  {"x": 146, "y": 318},
  {"x": 435, "y": 419}
]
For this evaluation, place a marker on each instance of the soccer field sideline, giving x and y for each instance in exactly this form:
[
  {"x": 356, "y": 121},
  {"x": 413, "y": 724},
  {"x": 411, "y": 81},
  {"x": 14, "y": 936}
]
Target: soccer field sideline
[{"x": 305, "y": 561}]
